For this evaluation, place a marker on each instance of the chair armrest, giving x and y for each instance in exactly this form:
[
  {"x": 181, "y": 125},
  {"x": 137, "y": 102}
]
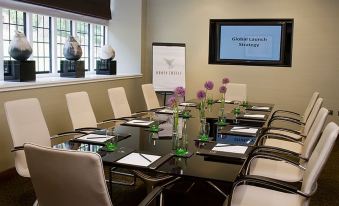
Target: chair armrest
[
  {"x": 266, "y": 155},
  {"x": 284, "y": 111},
  {"x": 156, "y": 191},
  {"x": 283, "y": 129},
  {"x": 270, "y": 184},
  {"x": 17, "y": 148},
  {"x": 151, "y": 196},
  {"x": 276, "y": 136},
  {"x": 285, "y": 119},
  {"x": 67, "y": 133},
  {"x": 275, "y": 149}
]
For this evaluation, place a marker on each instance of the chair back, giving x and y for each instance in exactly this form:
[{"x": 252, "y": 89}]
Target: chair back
[
  {"x": 312, "y": 116},
  {"x": 27, "y": 124},
  {"x": 80, "y": 110},
  {"x": 236, "y": 92},
  {"x": 150, "y": 96},
  {"x": 310, "y": 106},
  {"x": 314, "y": 133},
  {"x": 319, "y": 157},
  {"x": 67, "y": 177},
  {"x": 117, "y": 97}
]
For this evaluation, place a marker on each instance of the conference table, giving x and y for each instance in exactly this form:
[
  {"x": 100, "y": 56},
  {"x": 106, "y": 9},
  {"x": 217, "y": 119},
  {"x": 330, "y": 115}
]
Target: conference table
[{"x": 201, "y": 163}]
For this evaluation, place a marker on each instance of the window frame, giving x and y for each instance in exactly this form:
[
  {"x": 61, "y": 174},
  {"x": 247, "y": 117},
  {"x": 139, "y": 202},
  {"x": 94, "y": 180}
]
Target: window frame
[{"x": 54, "y": 70}]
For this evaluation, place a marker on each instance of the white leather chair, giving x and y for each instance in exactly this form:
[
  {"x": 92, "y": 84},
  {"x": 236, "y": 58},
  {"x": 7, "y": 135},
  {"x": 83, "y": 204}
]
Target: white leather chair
[
  {"x": 65, "y": 177},
  {"x": 27, "y": 124},
  {"x": 150, "y": 96},
  {"x": 253, "y": 191},
  {"x": 303, "y": 128},
  {"x": 80, "y": 110},
  {"x": 236, "y": 92},
  {"x": 303, "y": 118},
  {"x": 281, "y": 168},
  {"x": 303, "y": 148},
  {"x": 119, "y": 102},
  {"x": 121, "y": 109}
]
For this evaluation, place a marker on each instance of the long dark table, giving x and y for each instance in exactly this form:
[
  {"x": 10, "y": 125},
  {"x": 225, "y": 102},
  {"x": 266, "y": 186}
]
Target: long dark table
[{"x": 195, "y": 167}]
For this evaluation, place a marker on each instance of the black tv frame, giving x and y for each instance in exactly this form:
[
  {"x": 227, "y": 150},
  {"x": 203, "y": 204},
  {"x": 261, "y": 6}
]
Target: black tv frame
[{"x": 285, "y": 47}]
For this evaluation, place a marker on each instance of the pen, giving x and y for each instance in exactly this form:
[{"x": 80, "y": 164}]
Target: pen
[{"x": 144, "y": 157}]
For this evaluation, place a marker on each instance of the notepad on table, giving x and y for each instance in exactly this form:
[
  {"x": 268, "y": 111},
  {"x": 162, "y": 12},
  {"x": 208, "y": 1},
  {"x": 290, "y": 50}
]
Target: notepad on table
[
  {"x": 229, "y": 148},
  {"x": 188, "y": 104},
  {"x": 139, "y": 159},
  {"x": 260, "y": 108},
  {"x": 95, "y": 138},
  {"x": 226, "y": 101},
  {"x": 244, "y": 130},
  {"x": 166, "y": 111},
  {"x": 258, "y": 116},
  {"x": 139, "y": 122}
]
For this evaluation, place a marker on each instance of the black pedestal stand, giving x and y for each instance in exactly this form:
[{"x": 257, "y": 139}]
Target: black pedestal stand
[
  {"x": 106, "y": 67},
  {"x": 19, "y": 71},
  {"x": 69, "y": 68}
]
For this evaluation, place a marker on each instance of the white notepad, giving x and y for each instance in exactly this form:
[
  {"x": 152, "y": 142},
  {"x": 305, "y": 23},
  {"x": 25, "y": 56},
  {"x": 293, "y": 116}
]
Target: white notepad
[
  {"x": 227, "y": 148},
  {"x": 139, "y": 159},
  {"x": 95, "y": 138},
  {"x": 226, "y": 101},
  {"x": 260, "y": 108},
  {"x": 188, "y": 104},
  {"x": 167, "y": 111},
  {"x": 140, "y": 122},
  {"x": 244, "y": 130},
  {"x": 259, "y": 116}
]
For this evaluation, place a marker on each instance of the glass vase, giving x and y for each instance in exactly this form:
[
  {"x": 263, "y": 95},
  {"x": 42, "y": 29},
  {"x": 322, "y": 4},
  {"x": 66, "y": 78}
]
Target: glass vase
[
  {"x": 175, "y": 134},
  {"x": 181, "y": 141},
  {"x": 204, "y": 125},
  {"x": 221, "y": 115}
]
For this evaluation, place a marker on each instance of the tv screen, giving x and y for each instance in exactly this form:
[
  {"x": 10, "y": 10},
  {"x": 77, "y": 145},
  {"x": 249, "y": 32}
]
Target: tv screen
[{"x": 251, "y": 42}]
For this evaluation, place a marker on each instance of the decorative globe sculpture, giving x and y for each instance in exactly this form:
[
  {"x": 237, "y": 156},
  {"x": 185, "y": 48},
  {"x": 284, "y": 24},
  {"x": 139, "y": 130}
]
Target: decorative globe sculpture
[
  {"x": 72, "y": 49},
  {"x": 19, "y": 48},
  {"x": 107, "y": 52}
]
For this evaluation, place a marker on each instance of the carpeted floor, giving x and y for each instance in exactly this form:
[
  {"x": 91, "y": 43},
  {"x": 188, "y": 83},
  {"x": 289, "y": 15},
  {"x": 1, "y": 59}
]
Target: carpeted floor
[{"x": 18, "y": 191}]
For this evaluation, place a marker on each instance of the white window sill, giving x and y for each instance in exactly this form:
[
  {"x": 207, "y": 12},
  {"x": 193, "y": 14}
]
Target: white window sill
[{"x": 49, "y": 81}]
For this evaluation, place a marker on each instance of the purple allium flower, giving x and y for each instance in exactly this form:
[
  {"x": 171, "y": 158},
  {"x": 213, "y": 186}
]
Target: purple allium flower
[
  {"x": 225, "y": 80},
  {"x": 209, "y": 85},
  {"x": 180, "y": 91},
  {"x": 222, "y": 89},
  {"x": 201, "y": 94},
  {"x": 171, "y": 101}
]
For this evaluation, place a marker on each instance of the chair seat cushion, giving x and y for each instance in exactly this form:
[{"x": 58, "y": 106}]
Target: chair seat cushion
[
  {"x": 291, "y": 146},
  {"x": 247, "y": 195},
  {"x": 279, "y": 170},
  {"x": 286, "y": 133}
]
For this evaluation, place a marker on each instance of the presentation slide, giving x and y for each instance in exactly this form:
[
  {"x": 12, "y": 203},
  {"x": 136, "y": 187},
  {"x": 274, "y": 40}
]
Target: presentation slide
[{"x": 250, "y": 42}]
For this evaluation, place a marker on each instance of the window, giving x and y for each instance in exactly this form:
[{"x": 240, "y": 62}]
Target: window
[
  {"x": 12, "y": 21},
  {"x": 98, "y": 41},
  {"x": 83, "y": 37},
  {"x": 42, "y": 43},
  {"x": 47, "y": 36},
  {"x": 63, "y": 30}
]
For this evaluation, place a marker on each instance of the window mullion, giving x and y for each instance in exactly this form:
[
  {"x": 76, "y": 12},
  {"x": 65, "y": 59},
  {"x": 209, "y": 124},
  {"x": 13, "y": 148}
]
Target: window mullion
[
  {"x": 54, "y": 46},
  {"x": 1, "y": 49},
  {"x": 91, "y": 49},
  {"x": 29, "y": 31}
]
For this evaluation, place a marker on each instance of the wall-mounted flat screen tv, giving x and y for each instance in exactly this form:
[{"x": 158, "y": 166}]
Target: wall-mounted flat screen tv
[{"x": 260, "y": 42}]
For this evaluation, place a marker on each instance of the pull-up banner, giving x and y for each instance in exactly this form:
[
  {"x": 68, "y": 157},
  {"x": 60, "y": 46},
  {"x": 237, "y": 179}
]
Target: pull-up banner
[{"x": 169, "y": 64}]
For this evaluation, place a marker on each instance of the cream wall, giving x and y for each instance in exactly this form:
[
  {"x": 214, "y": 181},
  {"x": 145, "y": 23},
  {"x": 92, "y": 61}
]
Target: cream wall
[
  {"x": 125, "y": 37},
  {"x": 315, "y": 64}
]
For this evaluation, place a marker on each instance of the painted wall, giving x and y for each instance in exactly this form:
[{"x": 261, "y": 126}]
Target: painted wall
[
  {"x": 124, "y": 34},
  {"x": 125, "y": 29},
  {"x": 315, "y": 65}
]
